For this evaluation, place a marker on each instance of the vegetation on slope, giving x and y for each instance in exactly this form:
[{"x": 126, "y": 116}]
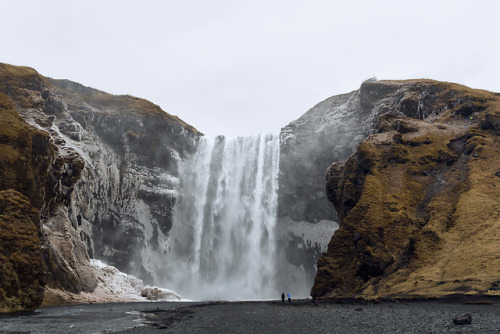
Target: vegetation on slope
[
  {"x": 419, "y": 200},
  {"x": 39, "y": 170},
  {"x": 23, "y": 155}
]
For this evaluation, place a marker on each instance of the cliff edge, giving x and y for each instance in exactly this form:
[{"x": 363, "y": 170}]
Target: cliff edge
[
  {"x": 419, "y": 199},
  {"x": 84, "y": 174}
]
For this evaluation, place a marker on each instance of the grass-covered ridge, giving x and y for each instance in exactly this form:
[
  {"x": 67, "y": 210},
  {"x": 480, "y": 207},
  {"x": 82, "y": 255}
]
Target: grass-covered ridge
[
  {"x": 420, "y": 199},
  {"x": 20, "y": 80}
]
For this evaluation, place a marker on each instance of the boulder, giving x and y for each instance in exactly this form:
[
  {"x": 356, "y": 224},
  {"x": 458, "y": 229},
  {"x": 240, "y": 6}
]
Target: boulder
[
  {"x": 465, "y": 319},
  {"x": 157, "y": 294}
]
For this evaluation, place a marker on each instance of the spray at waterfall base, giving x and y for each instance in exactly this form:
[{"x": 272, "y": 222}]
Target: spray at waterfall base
[{"x": 222, "y": 244}]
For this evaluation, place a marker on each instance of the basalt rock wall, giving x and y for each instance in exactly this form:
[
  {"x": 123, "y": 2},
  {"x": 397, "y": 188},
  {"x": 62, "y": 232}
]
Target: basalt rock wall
[
  {"x": 330, "y": 131},
  {"x": 418, "y": 200},
  {"x": 83, "y": 173}
]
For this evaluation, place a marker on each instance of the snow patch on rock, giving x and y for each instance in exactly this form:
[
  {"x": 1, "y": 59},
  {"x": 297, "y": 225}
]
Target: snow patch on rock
[{"x": 114, "y": 283}]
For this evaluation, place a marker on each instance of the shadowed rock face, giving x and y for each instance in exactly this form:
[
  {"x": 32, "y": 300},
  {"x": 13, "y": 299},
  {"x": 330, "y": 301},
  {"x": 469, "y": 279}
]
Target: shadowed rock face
[
  {"x": 83, "y": 172},
  {"x": 418, "y": 200},
  {"x": 330, "y": 131},
  {"x": 88, "y": 173},
  {"x": 128, "y": 194}
]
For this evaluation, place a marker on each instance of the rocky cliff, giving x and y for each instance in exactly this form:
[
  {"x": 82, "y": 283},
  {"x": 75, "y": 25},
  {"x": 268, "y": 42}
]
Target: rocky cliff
[
  {"x": 414, "y": 185},
  {"x": 419, "y": 199},
  {"x": 25, "y": 155},
  {"x": 83, "y": 173},
  {"x": 328, "y": 132}
]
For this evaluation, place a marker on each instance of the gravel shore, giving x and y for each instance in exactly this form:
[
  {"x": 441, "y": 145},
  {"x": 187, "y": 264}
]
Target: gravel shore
[
  {"x": 301, "y": 316},
  {"x": 307, "y": 317}
]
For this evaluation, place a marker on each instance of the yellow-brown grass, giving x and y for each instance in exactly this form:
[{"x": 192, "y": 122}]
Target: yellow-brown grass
[{"x": 426, "y": 220}]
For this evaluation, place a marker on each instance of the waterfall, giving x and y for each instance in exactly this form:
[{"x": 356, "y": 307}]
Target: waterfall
[{"x": 222, "y": 243}]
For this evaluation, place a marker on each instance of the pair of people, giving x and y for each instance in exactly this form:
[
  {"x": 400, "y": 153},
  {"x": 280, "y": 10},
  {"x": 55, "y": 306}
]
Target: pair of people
[{"x": 288, "y": 296}]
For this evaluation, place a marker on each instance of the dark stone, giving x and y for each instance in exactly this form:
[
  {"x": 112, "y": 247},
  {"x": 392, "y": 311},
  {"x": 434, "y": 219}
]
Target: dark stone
[
  {"x": 491, "y": 122},
  {"x": 308, "y": 146},
  {"x": 357, "y": 236},
  {"x": 465, "y": 319}
]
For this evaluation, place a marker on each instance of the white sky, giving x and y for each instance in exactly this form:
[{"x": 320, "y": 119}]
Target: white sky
[{"x": 245, "y": 67}]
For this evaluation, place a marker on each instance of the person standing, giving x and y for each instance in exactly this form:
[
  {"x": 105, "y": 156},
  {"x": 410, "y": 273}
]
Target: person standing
[
  {"x": 283, "y": 298},
  {"x": 289, "y": 298}
]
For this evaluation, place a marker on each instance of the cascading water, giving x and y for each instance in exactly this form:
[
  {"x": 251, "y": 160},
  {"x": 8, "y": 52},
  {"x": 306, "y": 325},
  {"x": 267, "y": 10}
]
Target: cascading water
[{"x": 222, "y": 243}]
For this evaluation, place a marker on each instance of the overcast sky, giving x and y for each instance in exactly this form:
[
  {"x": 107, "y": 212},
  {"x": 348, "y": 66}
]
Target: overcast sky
[{"x": 246, "y": 67}]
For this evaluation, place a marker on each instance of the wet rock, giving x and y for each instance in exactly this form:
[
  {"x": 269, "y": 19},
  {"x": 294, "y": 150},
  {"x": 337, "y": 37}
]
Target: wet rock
[
  {"x": 327, "y": 132},
  {"x": 155, "y": 294}
]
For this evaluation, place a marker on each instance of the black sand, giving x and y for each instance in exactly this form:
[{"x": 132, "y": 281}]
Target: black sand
[
  {"x": 259, "y": 317},
  {"x": 306, "y": 317}
]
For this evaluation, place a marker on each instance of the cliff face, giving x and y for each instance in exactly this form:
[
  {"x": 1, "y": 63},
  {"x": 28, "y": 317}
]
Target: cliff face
[
  {"x": 25, "y": 154},
  {"x": 83, "y": 172},
  {"x": 328, "y": 132},
  {"x": 418, "y": 200},
  {"x": 124, "y": 201},
  {"x": 415, "y": 185}
]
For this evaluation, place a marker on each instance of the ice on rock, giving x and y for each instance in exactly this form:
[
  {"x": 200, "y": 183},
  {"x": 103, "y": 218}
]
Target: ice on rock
[{"x": 114, "y": 282}]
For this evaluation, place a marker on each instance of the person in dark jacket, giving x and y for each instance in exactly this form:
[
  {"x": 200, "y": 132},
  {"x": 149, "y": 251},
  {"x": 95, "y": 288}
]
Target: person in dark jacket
[{"x": 283, "y": 298}]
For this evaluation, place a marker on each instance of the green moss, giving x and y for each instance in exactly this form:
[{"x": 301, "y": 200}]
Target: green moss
[
  {"x": 21, "y": 198},
  {"x": 21, "y": 274}
]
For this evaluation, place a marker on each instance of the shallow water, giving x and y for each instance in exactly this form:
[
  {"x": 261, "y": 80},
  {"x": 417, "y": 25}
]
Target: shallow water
[{"x": 89, "y": 318}]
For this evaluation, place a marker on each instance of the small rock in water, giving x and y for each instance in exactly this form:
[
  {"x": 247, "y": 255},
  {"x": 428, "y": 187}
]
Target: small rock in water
[{"x": 465, "y": 319}]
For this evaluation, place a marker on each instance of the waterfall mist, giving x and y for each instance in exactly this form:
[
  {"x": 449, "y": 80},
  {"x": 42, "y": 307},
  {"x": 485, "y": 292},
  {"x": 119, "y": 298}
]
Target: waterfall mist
[{"x": 222, "y": 243}]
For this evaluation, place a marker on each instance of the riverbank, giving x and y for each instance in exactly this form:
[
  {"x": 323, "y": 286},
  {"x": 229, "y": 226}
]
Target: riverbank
[{"x": 300, "y": 316}]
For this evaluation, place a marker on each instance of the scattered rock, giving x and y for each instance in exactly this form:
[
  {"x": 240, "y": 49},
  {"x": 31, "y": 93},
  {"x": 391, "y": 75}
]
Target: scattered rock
[
  {"x": 155, "y": 293},
  {"x": 465, "y": 319}
]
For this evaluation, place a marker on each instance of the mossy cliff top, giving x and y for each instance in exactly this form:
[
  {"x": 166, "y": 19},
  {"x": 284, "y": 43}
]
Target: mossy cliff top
[
  {"x": 419, "y": 200},
  {"x": 22, "y": 81},
  {"x": 151, "y": 133},
  {"x": 52, "y": 134}
]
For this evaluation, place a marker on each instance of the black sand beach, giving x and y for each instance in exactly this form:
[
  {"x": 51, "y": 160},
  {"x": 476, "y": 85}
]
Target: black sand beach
[{"x": 302, "y": 316}]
